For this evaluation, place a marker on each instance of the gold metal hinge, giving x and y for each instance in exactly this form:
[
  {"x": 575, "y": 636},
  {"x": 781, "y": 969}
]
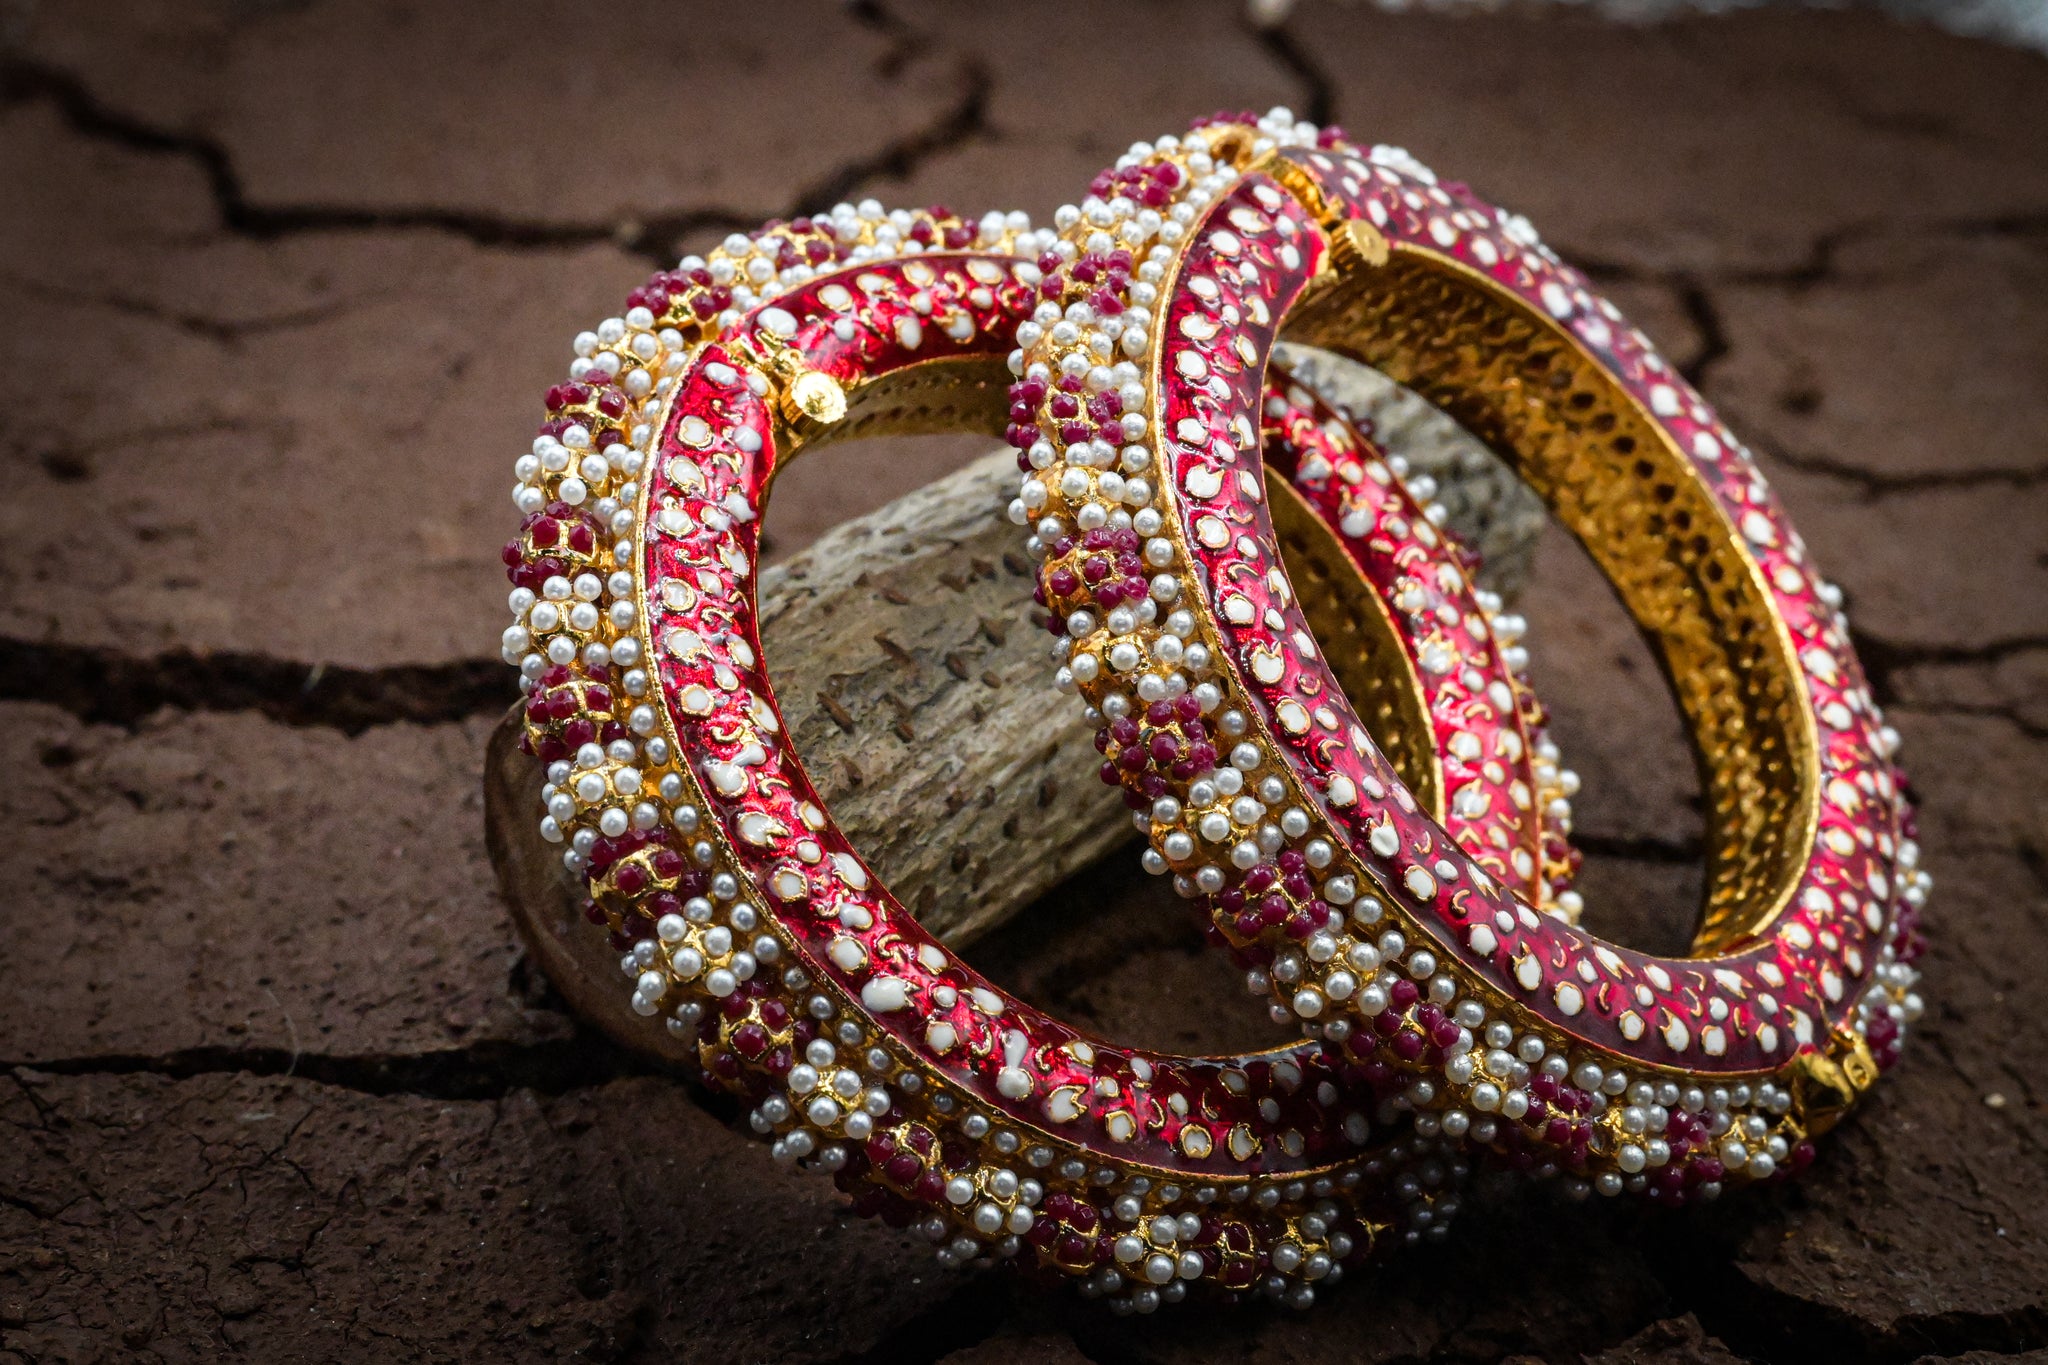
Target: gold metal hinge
[
  {"x": 1826, "y": 1085},
  {"x": 800, "y": 392}
]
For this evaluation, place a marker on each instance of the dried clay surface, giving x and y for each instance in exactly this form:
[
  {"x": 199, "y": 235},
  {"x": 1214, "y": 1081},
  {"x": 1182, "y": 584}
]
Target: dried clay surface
[{"x": 279, "y": 1084}]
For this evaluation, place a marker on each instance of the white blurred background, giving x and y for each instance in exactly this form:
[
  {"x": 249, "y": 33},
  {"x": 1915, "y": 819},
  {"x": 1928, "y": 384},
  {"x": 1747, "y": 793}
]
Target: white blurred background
[{"x": 2021, "y": 22}]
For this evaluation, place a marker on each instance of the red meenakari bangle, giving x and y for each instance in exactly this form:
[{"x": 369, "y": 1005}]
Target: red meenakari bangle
[
  {"x": 866, "y": 1047},
  {"x": 1559, "y": 1049}
]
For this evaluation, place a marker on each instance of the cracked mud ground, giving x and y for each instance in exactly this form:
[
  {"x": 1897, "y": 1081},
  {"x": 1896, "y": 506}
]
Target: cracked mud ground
[{"x": 284, "y": 282}]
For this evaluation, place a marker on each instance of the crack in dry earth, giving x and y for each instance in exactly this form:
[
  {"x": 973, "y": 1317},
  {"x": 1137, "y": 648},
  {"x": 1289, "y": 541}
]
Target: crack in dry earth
[
  {"x": 1767, "y": 1324},
  {"x": 480, "y": 1071},
  {"x": 656, "y": 235},
  {"x": 1755, "y": 1319},
  {"x": 2030, "y": 728},
  {"x": 1318, "y": 102},
  {"x": 102, "y": 685},
  {"x": 1872, "y": 485},
  {"x": 1883, "y": 658},
  {"x": 1820, "y": 262}
]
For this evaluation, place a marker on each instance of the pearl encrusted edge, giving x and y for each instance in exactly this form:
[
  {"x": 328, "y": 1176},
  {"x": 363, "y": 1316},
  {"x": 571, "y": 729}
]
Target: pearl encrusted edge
[
  {"x": 630, "y": 359},
  {"x": 1622, "y": 1110}
]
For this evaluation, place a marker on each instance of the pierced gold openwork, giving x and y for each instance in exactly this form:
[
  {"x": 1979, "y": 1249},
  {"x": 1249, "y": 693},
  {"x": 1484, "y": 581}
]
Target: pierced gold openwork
[{"x": 1616, "y": 480}]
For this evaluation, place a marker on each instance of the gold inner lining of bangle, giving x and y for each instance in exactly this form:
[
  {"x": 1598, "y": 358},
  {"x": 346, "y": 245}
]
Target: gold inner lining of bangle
[
  {"x": 1352, "y": 625},
  {"x": 930, "y": 398},
  {"x": 1519, "y": 382}
]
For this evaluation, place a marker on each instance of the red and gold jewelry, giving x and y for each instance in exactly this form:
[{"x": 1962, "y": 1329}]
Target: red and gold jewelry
[
  {"x": 1564, "y": 1051},
  {"x": 744, "y": 917}
]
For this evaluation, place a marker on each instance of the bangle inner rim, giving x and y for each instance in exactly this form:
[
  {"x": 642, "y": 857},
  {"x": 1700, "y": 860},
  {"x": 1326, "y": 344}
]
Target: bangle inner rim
[{"x": 1616, "y": 480}]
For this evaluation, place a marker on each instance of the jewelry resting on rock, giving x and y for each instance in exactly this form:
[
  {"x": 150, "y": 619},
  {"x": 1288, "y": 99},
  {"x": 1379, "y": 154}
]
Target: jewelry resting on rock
[
  {"x": 1408, "y": 955},
  {"x": 1337, "y": 755},
  {"x": 749, "y": 921}
]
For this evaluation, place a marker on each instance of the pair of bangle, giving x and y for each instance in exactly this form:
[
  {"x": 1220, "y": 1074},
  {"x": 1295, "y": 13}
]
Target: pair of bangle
[{"x": 1336, "y": 752}]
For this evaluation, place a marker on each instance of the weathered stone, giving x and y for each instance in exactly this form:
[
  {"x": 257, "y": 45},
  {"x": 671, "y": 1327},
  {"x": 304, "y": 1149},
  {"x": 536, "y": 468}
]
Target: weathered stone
[{"x": 908, "y": 662}]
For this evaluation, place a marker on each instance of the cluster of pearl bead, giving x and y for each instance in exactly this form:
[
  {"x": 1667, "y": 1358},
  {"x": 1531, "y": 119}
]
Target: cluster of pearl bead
[
  {"x": 1494, "y": 1069},
  {"x": 848, "y": 1091}
]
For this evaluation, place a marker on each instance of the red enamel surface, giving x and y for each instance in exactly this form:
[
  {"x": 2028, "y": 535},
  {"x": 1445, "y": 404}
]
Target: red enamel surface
[
  {"x": 713, "y": 461},
  {"x": 700, "y": 556},
  {"x": 1743, "y": 1011},
  {"x": 705, "y": 483},
  {"x": 1487, "y": 721}
]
